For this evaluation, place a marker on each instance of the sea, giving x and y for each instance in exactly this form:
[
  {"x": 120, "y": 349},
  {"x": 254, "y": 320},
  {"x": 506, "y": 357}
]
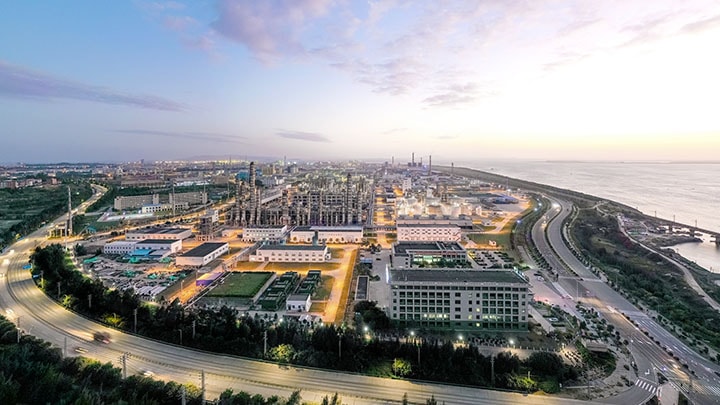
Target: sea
[{"x": 688, "y": 193}]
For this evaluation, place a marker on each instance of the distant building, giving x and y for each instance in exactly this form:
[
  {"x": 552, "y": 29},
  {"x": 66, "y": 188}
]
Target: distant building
[
  {"x": 202, "y": 255},
  {"x": 327, "y": 234},
  {"x": 260, "y": 233},
  {"x": 463, "y": 221},
  {"x": 173, "y": 246},
  {"x": 158, "y": 233},
  {"x": 291, "y": 253},
  {"x": 192, "y": 198},
  {"x": 122, "y": 203},
  {"x": 477, "y": 300},
  {"x": 153, "y": 208},
  {"x": 427, "y": 254},
  {"x": 122, "y": 247},
  {"x": 428, "y": 232}
]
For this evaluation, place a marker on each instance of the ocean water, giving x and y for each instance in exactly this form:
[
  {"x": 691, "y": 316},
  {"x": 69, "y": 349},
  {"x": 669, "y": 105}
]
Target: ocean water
[{"x": 689, "y": 193}]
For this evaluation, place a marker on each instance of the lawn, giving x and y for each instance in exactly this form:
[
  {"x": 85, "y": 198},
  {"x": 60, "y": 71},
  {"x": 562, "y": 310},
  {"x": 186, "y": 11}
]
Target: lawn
[
  {"x": 322, "y": 293},
  {"x": 318, "y": 307},
  {"x": 483, "y": 239},
  {"x": 337, "y": 253},
  {"x": 241, "y": 285}
]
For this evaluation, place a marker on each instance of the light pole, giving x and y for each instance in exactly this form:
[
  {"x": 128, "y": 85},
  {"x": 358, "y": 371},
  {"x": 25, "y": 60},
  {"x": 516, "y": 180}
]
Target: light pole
[{"x": 180, "y": 330}]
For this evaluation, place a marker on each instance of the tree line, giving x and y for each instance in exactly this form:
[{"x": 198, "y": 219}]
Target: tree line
[{"x": 324, "y": 346}]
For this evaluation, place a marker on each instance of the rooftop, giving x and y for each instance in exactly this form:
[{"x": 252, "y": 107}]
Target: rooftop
[
  {"x": 204, "y": 249},
  {"x": 454, "y": 276},
  {"x": 404, "y": 248},
  {"x": 328, "y": 228},
  {"x": 298, "y": 297},
  {"x": 411, "y": 225},
  {"x": 159, "y": 241},
  {"x": 160, "y": 230},
  {"x": 293, "y": 247}
]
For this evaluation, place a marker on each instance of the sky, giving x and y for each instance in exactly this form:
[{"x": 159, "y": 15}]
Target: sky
[{"x": 322, "y": 79}]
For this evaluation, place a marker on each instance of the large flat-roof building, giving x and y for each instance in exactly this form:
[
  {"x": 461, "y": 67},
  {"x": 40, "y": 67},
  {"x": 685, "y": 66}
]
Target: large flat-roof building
[
  {"x": 428, "y": 254},
  {"x": 463, "y": 221},
  {"x": 158, "y": 233},
  {"x": 291, "y": 253},
  {"x": 203, "y": 254},
  {"x": 428, "y": 232},
  {"x": 173, "y": 246},
  {"x": 478, "y": 300},
  {"x": 327, "y": 234}
]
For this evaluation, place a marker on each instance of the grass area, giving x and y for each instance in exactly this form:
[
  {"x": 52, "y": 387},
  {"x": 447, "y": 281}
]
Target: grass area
[
  {"x": 322, "y": 293},
  {"x": 300, "y": 267},
  {"x": 242, "y": 285},
  {"x": 317, "y": 307},
  {"x": 483, "y": 239},
  {"x": 337, "y": 253},
  {"x": 7, "y": 224}
]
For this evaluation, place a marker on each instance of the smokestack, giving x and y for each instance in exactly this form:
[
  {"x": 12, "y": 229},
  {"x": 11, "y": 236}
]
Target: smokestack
[
  {"x": 452, "y": 168},
  {"x": 68, "y": 229},
  {"x": 429, "y": 165},
  {"x": 413, "y": 158},
  {"x": 392, "y": 161}
]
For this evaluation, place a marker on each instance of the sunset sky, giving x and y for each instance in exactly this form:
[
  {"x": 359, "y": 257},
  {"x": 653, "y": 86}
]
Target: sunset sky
[{"x": 321, "y": 79}]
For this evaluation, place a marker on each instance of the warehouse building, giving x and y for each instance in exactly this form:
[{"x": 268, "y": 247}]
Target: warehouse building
[
  {"x": 202, "y": 255},
  {"x": 291, "y": 253}
]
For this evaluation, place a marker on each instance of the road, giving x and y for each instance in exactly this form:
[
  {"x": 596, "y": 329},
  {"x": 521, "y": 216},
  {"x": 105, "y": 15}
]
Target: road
[
  {"x": 38, "y": 315},
  {"x": 702, "y": 388}
]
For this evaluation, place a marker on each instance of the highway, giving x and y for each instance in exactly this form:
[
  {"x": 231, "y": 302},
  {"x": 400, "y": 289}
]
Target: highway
[
  {"x": 650, "y": 356},
  {"x": 36, "y": 314}
]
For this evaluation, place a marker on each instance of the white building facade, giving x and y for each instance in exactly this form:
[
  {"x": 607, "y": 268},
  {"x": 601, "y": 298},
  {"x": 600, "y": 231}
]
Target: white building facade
[
  {"x": 264, "y": 233},
  {"x": 327, "y": 234},
  {"x": 291, "y": 253},
  {"x": 459, "y": 299},
  {"x": 159, "y": 233},
  {"x": 122, "y": 247},
  {"x": 428, "y": 233}
]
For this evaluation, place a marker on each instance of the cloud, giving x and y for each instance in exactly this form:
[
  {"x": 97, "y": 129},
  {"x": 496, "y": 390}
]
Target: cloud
[
  {"x": 456, "y": 94},
  {"x": 446, "y": 137},
  {"x": 268, "y": 28},
  {"x": 202, "y": 136},
  {"x": 701, "y": 25},
  {"x": 302, "y": 136},
  {"x": 23, "y": 83},
  {"x": 179, "y": 23},
  {"x": 394, "y": 131}
]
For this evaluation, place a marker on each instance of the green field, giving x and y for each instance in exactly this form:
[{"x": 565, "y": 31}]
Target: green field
[
  {"x": 240, "y": 285},
  {"x": 322, "y": 293}
]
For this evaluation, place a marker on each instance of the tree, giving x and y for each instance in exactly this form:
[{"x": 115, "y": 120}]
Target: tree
[
  {"x": 401, "y": 367},
  {"x": 283, "y": 353}
]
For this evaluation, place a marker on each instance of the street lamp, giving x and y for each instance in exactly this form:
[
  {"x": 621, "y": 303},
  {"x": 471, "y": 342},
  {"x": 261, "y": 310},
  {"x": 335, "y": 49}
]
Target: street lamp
[{"x": 512, "y": 343}]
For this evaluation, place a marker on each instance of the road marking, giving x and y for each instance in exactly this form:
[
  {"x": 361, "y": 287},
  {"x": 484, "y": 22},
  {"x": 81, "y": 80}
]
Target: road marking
[{"x": 647, "y": 386}]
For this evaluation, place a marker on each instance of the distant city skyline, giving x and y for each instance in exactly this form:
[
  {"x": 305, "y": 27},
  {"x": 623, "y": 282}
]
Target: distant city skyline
[{"x": 330, "y": 80}]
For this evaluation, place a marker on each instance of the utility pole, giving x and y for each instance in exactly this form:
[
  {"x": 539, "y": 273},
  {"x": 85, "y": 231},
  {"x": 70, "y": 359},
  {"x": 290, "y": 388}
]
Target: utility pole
[
  {"x": 65, "y": 347},
  {"x": 135, "y": 318},
  {"x": 193, "y": 326},
  {"x": 492, "y": 370},
  {"x": 182, "y": 395},
  {"x": 124, "y": 365},
  {"x": 339, "y": 346},
  {"x": 180, "y": 330},
  {"x": 59, "y": 284},
  {"x": 265, "y": 343},
  {"x": 42, "y": 279},
  {"x": 202, "y": 387},
  {"x": 89, "y": 301}
]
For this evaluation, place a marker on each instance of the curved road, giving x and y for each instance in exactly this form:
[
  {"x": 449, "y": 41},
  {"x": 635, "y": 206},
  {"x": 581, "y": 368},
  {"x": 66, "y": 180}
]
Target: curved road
[
  {"x": 38, "y": 315},
  {"x": 701, "y": 388}
]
